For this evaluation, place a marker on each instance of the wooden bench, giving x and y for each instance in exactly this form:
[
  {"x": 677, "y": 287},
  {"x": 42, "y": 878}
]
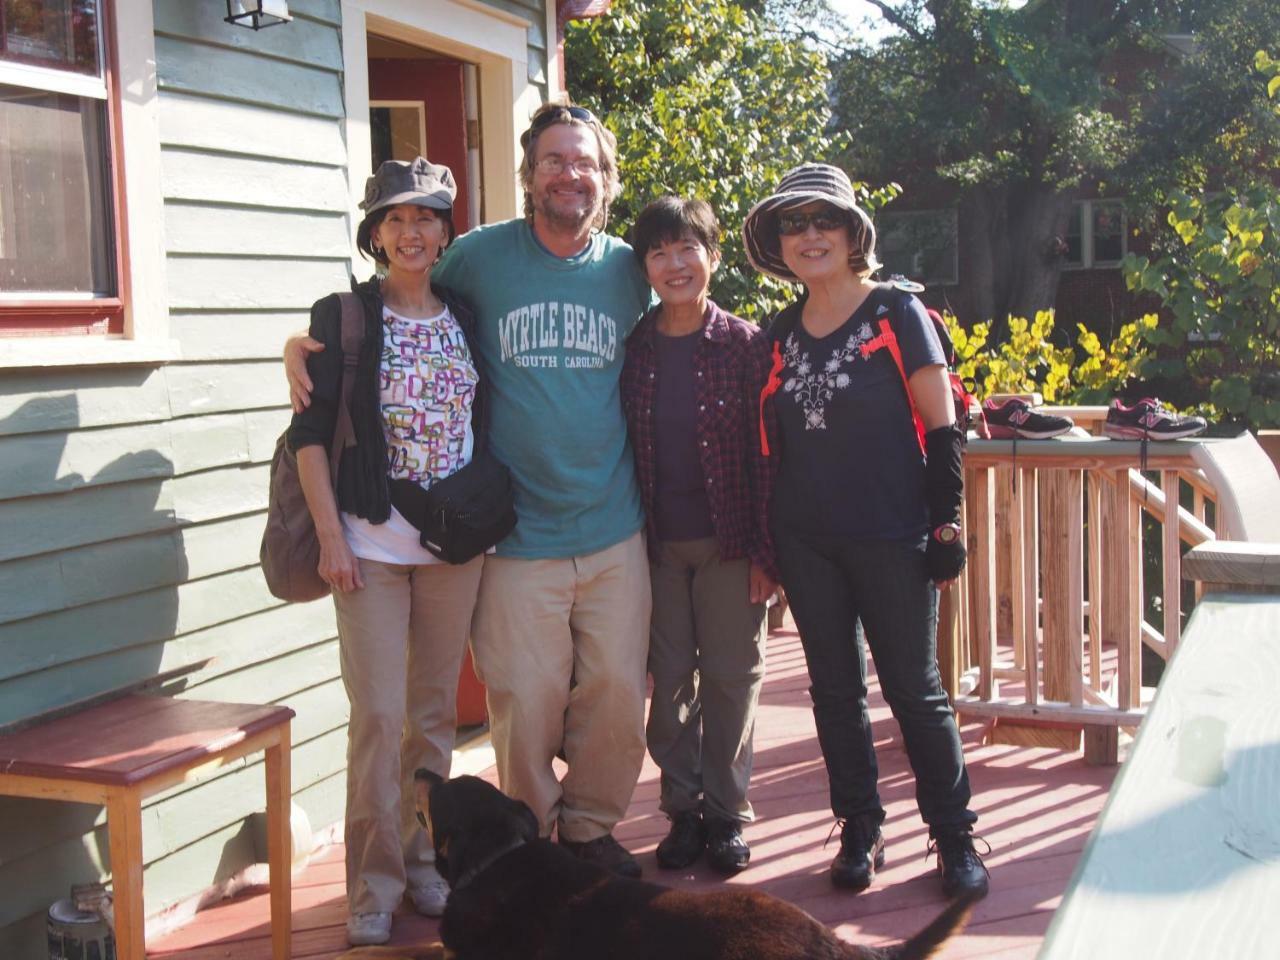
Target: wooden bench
[{"x": 118, "y": 753}]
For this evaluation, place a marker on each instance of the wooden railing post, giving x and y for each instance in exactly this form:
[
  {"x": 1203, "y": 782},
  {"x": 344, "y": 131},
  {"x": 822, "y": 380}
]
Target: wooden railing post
[
  {"x": 1171, "y": 547},
  {"x": 982, "y": 574},
  {"x": 1005, "y": 498},
  {"x": 1062, "y": 591},
  {"x": 1028, "y": 591}
]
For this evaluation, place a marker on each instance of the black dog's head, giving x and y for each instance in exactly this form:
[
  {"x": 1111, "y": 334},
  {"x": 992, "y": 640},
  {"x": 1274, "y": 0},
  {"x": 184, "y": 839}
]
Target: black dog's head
[{"x": 469, "y": 821}]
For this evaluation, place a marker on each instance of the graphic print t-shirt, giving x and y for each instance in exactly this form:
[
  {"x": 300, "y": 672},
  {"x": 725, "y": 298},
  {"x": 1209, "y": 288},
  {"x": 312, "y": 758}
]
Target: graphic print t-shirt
[
  {"x": 426, "y": 385},
  {"x": 550, "y": 335},
  {"x": 851, "y": 463}
]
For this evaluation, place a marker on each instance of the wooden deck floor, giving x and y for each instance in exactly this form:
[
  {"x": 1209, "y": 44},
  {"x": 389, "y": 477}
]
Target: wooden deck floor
[{"x": 1036, "y": 809}]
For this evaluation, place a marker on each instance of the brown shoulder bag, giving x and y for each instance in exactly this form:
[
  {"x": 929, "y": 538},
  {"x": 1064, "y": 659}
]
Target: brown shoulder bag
[{"x": 290, "y": 553}]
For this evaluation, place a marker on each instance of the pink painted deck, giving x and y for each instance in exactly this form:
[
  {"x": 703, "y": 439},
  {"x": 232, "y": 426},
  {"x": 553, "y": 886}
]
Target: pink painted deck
[{"x": 1036, "y": 808}]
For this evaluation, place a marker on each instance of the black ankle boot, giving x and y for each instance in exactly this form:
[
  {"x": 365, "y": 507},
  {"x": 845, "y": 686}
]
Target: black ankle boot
[
  {"x": 684, "y": 842},
  {"x": 727, "y": 851},
  {"x": 962, "y": 869},
  {"x": 861, "y": 855}
]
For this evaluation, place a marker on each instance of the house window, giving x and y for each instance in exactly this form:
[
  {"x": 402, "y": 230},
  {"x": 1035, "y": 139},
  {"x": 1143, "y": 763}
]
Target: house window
[
  {"x": 1096, "y": 234},
  {"x": 59, "y": 242},
  {"x": 920, "y": 244},
  {"x": 398, "y": 130}
]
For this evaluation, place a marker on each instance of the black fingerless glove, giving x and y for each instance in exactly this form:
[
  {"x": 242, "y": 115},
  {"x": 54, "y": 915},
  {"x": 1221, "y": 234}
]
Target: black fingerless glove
[{"x": 944, "y": 493}]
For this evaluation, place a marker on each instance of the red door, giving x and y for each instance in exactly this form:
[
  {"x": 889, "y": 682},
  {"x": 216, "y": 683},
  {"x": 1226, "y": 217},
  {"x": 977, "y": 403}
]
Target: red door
[{"x": 438, "y": 86}]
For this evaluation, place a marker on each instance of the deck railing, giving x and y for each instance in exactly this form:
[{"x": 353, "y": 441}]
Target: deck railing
[{"x": 1044, "y": 631}]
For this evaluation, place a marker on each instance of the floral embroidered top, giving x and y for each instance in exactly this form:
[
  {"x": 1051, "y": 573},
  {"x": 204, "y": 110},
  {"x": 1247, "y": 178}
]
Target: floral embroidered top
[{"x": 850, "y": 461}]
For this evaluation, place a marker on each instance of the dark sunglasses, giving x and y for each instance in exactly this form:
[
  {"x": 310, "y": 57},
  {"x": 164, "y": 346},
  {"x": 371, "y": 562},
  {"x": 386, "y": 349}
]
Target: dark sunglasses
[
  {"x": 557, "y": 116},
  {"x": 792, "y": 222}
]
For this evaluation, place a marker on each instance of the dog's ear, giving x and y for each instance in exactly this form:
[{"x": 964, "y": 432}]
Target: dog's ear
[
  {"x": 424, "y": 781},
  {"x": 423, "y": 775}
]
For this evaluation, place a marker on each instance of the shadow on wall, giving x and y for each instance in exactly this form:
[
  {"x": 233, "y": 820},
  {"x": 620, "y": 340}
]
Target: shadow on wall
[{"x": 89, "y": 571}]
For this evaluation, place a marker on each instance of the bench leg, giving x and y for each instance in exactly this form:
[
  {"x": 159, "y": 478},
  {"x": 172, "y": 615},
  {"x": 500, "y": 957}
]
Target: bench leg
[
  {"x": 278, "y": 845},
  {"x": 124, "y": 824}
]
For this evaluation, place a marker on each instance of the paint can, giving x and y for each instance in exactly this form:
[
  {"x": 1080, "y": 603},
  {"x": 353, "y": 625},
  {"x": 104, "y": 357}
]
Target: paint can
[{"x": 76, "y": 934}]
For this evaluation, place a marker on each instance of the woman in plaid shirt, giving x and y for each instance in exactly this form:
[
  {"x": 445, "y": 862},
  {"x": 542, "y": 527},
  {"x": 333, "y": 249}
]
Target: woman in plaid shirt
[{"x": 690, "y": 388}]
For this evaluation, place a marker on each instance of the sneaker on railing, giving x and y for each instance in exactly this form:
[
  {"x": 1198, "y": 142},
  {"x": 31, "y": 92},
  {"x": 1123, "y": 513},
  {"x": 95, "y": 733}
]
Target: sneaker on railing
[
  {"x": 1015, "y": 418},
  {"x": 1149, "y": 419}
]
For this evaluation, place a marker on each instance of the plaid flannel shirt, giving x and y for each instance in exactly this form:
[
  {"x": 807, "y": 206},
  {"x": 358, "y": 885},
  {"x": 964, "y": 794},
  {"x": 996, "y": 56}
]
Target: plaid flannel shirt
[{"x": 731, "y": 363}]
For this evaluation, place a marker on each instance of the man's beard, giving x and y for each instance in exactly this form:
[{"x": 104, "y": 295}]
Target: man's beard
[{"x": 561, "y": 219}]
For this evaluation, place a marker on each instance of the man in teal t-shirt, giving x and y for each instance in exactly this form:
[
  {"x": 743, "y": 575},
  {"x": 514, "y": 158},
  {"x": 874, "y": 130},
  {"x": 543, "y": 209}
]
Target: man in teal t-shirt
[
  {"x": 550, "y": 333},
  {"x": 561, "y": 627},
  {"x": 561, "y": 630}
]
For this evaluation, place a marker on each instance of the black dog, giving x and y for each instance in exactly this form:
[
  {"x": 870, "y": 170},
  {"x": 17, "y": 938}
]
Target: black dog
[{"x": 516, "y": 897}]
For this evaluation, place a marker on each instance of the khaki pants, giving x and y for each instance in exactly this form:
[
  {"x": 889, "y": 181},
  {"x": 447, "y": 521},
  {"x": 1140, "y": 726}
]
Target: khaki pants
[
  {"x": 560, "y": 646},
  {"x": 401, "y": 639},
  {"x": 706, "y": 655}
]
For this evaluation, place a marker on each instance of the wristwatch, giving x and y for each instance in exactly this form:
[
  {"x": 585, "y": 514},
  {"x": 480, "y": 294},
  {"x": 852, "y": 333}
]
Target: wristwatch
[{"x": 947, "y": 533}]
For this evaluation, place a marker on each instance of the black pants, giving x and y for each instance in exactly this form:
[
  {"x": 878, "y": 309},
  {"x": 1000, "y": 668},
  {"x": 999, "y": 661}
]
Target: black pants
[{"x": 832, "y": 583}]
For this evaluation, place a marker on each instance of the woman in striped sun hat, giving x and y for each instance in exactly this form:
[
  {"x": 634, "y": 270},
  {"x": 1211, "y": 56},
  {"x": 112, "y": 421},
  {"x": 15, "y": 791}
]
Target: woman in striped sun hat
[{"x": 865, "y": 511}]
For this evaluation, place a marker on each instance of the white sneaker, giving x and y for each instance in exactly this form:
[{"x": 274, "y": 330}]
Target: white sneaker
[
  {"x": 429, "y": 892},
  {"x": 365, "y": 929}
]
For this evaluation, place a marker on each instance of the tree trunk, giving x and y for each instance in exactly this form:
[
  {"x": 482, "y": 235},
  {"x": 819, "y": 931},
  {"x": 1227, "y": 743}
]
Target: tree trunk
[
  {"x": 984, "y": 247},
  {"x": 1011, "y": 250},
  {"x": 1037, "y": 221}
]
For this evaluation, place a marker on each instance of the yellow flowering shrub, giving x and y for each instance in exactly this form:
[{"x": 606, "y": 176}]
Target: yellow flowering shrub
[{"x": 1027, "y": 360}]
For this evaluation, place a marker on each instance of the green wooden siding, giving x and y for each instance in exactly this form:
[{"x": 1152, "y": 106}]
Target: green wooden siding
[{"x": 131, "y": 498}]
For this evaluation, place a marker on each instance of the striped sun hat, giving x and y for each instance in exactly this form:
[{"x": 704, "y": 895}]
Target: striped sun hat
[{"x": 805, "y": 184}]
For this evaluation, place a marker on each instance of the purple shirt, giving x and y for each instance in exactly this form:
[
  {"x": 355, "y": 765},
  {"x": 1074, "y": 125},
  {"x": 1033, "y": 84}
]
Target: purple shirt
[{"x": 681, "y": 508}]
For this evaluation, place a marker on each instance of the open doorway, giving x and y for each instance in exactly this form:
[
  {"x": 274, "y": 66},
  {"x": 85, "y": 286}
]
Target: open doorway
[{"x": 425, "y": 103}]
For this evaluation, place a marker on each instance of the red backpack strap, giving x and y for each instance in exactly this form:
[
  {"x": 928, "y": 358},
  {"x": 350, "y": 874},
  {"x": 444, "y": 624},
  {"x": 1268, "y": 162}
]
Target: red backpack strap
[
  {"x": 770, "y": 388},
  {"x": 344, "y": 433},
  {"x": 888, "y": 340}
]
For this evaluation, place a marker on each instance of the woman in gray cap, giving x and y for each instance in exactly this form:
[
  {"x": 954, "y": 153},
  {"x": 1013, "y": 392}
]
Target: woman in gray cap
[
  {"x": 865, "y": 512},
  {"x": 403, "y": 615}
]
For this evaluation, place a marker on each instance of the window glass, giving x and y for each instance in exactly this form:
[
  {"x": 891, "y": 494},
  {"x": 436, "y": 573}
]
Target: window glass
[
  {"x": 921, "y": 245},
  {"x": 396, "y": 132},
  {"x": 62, "y": 34},
  {"x": 1075, "y": 236},
  {"x": 1108, "y": 232},
  {"x": 56, "y": 233}
]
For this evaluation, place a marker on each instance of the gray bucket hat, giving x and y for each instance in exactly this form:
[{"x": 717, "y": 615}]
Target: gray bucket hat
[
  {"x": 800, "y": 185},
  {"x": 419, "y": 182}
]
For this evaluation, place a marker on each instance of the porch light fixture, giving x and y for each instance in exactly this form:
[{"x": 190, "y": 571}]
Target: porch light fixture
[{"x": 257, "y": 13}]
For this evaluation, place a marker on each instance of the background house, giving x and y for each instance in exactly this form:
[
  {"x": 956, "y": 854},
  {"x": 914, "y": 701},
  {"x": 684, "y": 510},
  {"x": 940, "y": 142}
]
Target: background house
[{"x": 175, "y": 192}]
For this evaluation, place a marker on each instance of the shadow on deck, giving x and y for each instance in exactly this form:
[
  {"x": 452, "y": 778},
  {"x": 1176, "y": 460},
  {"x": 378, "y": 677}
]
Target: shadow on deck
[{"x": 1036, "y": 808}]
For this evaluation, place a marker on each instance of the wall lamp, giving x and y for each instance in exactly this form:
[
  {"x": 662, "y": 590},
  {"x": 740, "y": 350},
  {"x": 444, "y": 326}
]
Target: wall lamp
[{"x": 257, "y": 13}]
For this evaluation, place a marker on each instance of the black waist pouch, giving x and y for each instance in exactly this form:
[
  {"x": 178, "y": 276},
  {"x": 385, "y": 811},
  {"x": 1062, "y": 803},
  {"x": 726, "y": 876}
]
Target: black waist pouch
[{"x": 464, "y": 514}]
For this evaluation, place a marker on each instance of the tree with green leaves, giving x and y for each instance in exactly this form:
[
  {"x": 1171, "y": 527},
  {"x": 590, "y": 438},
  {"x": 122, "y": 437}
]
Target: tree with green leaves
[
  {"x": 707, "y": 99},
  {"x": 1012, "y": 109},
  {"x": 1216, "y": 269}
]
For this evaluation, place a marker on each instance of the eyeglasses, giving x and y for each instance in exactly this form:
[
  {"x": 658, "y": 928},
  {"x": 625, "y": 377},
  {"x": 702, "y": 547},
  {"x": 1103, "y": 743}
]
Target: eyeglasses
[
  {"x": 792, "y": 222},
  {"x": 554, "y": 165},
  {"x": 557, "y": 116}
]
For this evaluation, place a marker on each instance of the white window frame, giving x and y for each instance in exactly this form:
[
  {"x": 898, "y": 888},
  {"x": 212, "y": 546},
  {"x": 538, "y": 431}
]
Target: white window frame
[
  {"x": 952, "y": 218},
  {"x": 492, "y": 39},
  {"x": 145, "y": 338},
  {"x": 1083, "y": 209}
]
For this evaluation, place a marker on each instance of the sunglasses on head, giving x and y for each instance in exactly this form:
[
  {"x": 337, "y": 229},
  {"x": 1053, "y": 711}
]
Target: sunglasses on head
[
  {"x": 557, "y": 116},
  {"x": 792, "y": 222}
]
